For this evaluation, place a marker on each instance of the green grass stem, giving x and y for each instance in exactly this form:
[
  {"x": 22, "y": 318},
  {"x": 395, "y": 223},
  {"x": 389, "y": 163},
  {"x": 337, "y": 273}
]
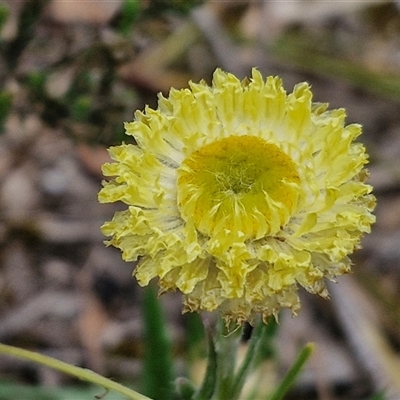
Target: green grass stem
[{"x": 71, "y": 370}]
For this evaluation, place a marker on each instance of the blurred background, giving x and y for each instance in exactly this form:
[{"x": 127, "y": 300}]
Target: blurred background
[{"x": 71, "y": 72}]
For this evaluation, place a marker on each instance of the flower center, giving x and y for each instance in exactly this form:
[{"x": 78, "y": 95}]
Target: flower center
[{"x": 240, "y": 183}]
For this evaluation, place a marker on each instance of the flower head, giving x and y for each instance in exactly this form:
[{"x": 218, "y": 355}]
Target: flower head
[{"x": 238, "y": 193}]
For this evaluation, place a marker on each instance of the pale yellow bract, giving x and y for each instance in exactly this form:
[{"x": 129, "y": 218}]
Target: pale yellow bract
[{"x": 238, "y": 193}]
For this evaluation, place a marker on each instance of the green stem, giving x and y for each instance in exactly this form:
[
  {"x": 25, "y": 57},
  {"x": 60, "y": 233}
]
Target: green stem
[
  {"x": 81, "y": 373},
  {"x": 293, "y": 372},
  {"x": 226, "y": 347},
  {"x": 247, "y": 364},
  {"x": 210, "y": 379}
]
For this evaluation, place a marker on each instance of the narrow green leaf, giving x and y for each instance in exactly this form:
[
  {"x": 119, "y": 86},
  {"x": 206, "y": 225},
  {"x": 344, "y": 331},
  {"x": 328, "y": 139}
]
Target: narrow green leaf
[
  {"x": 210, "y": 379},
  {"x": 158, "y": 364},
  {"x": 247, "y": 364},
  {"x": 77, "y": 372},
  {"x": 293, "y": 372},
  {"x": 18, "y": 391}
]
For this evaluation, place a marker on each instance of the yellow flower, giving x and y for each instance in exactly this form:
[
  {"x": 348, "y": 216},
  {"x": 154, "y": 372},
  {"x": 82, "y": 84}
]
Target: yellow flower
[{"x": 238, "y": 193}]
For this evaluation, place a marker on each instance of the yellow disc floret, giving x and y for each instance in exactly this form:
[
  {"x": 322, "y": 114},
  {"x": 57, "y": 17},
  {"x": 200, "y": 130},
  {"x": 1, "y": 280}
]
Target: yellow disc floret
[{"x": 240, "y": 183}]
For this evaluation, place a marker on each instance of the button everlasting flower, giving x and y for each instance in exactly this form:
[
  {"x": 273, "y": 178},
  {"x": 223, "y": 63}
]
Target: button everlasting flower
[{"x": 238, "y": 193}]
